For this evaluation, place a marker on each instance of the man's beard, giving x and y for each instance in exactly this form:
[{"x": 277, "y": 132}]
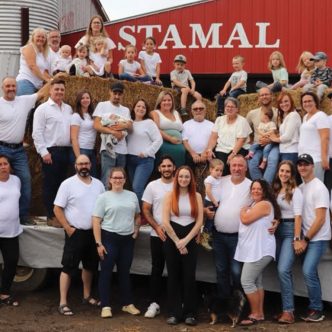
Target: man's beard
[{"x": 84, "y": 172}]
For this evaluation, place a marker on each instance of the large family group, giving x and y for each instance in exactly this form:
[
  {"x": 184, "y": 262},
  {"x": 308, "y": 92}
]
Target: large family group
[{"x": 267, "y": 193}]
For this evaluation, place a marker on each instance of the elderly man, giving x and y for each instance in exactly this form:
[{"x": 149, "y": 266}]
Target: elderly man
[
  {"x": 105, "y": 109},
  {"x": 51, "y": 135},
  {"x": 254, "y": 118},
  {"x": 73, "y": 208},
  {"x": 196, "y": 134},
  {"x": 234, "y": 195},
  {"x": 316, "y": 231},
  {"x": 53, "y": 39},
  {"x": 14, "y": 112}
]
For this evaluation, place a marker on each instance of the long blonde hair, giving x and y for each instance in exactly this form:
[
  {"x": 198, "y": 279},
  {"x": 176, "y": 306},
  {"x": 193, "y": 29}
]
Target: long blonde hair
[
  {"x": 102, "y": 31},
  {"x": 161, "y": 96},
  {"x": 300, "y": 66},
  {"x": 281, "y": 59},
  {"x": 32, "y": 42}
]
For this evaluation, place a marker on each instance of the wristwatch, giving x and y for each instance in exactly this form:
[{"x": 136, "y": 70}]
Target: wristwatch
[
  {"x": 98, "y": 244},
  {"x": 306, "y": 239},
  {"x": 297, "y": 238}
]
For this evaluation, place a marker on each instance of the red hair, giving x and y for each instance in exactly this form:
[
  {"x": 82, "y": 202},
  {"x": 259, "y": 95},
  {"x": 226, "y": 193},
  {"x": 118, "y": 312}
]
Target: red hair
[{"x": 191, "y": 192}]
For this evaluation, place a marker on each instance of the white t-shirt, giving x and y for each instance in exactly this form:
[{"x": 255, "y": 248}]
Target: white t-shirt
[
  {"x": 315, "y": 195},
  {"x": 255, "y": 241},
  {"x": 154, "y": 194},
  {"x": 13, "y": 117},
  {"x": 106, "y": 108},
  {"x": 239, "y": 76},
  {"x": 150, "y": 62},
  {"x": 293, "y": 208},
  {"x": 99, "y": 61},
  {"x": 130, "y": 68},
  {"x": 87, "y": 133},
  {"x": 78, "y": 198},
  {"x": 184, "y": 218},
  {"x": 52, "y": 58},
  {"x": 280, "y": 74},
  {"x": 229, "y": 133},
  {"x": 289, "y": 131},
  {"x": 184, "y": 76},
  {"x": 330, "y": 145},
  {"x": 10, "y": 192},
  {"x": 215, "y": 186},
  {"x": 197, "y": 142},
  {"x": 232, "y": 198},
  {"x": 310, "y": 141}
]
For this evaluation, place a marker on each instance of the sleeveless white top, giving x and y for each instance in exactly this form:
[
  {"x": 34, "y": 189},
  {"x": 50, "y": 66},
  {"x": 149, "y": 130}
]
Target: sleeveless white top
[
  {"x": 26, "y": 74},
  {"x": 184, "y": 218},
  {"x": 165, "y": 123}
]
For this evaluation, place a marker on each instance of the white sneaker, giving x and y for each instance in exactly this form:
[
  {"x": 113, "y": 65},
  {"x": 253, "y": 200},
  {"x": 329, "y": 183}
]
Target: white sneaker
[{"x": 153, "y": 310}]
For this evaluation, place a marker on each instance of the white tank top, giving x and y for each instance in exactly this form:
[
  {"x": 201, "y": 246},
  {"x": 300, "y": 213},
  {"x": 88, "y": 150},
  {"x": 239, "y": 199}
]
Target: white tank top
[
  {"x": 165, "y": 123},
  {"x": 26, "y": 74},
  {"x": 184, "y": 218}
]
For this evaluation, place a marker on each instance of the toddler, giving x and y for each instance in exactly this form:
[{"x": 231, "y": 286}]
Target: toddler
[
  {"x": 80, "y": 65},
  {"x": 98, "y": 55},
  {"x": 61, "y": 64},
  {"x": 183, "y": 81},
  {"x": 237, "y": 82},
  {"x": 212, "y": 187},
  {"x": 150, "y": 61},
  {"x": 131, "y": 70},
  {"x": 265, "y": 128},
  {"x": 305, "y": 67}
]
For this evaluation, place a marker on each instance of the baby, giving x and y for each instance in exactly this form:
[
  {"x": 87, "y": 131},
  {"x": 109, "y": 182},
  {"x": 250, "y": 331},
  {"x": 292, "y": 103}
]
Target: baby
[{"x": 61, "y": 63}]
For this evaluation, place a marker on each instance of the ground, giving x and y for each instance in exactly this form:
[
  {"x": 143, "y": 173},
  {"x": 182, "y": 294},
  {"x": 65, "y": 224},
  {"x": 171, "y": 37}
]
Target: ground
[{"x": 38, "y": 312}]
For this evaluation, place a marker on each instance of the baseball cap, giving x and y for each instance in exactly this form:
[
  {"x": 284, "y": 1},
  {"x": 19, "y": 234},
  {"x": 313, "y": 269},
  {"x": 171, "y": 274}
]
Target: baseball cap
[
  {"x": 117, "y": 87},
  {"x": 329, "y": 95},
  {"x": 305, "y": 158},
  {"x": 319, "y": 56},
  {"x": 180, "y": 58}
]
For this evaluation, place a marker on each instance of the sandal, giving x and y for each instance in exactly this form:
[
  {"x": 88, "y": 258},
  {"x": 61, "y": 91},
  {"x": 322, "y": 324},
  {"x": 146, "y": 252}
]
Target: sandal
[
  {"x": 91, "y": 301},
  {"x": 9, "y": 301},
  {"x": 249, "y": 321},
  {"x": 65, "y": 310}
]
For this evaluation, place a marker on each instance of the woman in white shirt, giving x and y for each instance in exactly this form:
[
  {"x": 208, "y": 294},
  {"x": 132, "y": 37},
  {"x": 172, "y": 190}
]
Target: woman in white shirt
[
  {"x": 256, "y": 246},
  {"x": 143, "y": 142}
]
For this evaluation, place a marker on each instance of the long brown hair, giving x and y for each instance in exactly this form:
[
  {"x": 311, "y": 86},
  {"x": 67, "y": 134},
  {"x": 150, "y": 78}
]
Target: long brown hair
[
  {"x": 191, "y": 192},
  {"x": 280, "y": 112},
  {"x": 78, "y": 105},
  {"x": 290, "y": 186}
]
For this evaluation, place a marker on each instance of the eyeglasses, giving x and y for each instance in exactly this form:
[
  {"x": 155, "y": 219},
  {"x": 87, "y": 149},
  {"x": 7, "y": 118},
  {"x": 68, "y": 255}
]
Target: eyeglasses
[
  {"x": 198, "y": 109},
  {"x": 96, "y": 23},
  {"x": 117, "y": 178},
  {"x": 83, "y": 164},
  {"x": 230, "y": 107}
]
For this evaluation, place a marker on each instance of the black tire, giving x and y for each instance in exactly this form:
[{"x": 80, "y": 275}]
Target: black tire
[{"x": 29, "y": 279}]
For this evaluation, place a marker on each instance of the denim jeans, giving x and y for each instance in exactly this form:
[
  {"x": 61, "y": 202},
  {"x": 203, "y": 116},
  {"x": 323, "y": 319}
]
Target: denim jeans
[
  {"x": 107, "y": 163},
  {"x": 221, "y": 99},
  {"x": 285, "y": 261},
  {"x": 289, "y": 156},
  {"x": 25, "y": 87},
  {"x": 120, "y": 252},
  {"x": 227, "y": 268},
  {"x": 19, "y": 163},
  {"x": 91, "y": 153},
  {"x": 139, "y": 172},
  {"x": 311, "y": 259},
  {"x": 271, "y": 168},
  {"x": 131, "y": 78}
]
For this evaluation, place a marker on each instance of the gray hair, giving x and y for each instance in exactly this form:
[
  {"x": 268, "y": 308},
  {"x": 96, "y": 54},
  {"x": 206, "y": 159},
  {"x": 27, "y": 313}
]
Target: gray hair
[{"x": 232, "y": 100}]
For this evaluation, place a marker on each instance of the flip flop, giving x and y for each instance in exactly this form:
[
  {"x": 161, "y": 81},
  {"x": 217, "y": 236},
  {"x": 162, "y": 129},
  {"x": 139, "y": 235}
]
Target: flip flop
[
  {"x": 65, "y": 310},
  {"x": 249, "y": 321},
  {"x": 10, "y": 301},
  {"x": 91, "y": 301}
]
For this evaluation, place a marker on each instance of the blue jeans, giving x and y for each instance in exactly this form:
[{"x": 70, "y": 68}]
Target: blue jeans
[
  {"x": 271, "y": 168},
  {"x": 221, "y": 99},
  {"x": 266, "y": 149},
  {"x": 289, "y": 156},
  {"x": 120, "y": 252},
  {"x": 130, "y": 78},
  {"x": 285, "y": 261},
  {"x": 25, "y": 87},
  {"x": 107, "y": 163},
  {"x": 227, "y": 268},
  {"x": 19, "y": 163},
  {"x": 91, "y": 153},
  {"x": 139, "y": 171},
  {"x": 311, "y": 259}
]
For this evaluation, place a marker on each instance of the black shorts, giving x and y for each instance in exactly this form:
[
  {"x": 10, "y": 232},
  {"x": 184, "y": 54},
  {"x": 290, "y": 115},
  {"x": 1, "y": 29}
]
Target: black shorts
[{"x": 80, "y": 247}]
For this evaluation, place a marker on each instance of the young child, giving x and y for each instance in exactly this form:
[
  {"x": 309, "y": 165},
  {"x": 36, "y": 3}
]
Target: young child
[
  {"x": 183, "y": 81},
  {"x": 110, "y": 140},
  {"x": 321, "y": 77},
  {"x": 211, "y": 183},
  {"x": 61, "y": 63},
  {"x": 265, "y": 128},
  {"x": 237, "y": 82},
  {"x": 80, "y": 65},
  {"x": 305, "y": 67},
  {"x": 131, "y": 70},
  {"x": 98, "y": 55},
  {"x": 150, "y": 61},
  {"x": 279, "y": 73}
]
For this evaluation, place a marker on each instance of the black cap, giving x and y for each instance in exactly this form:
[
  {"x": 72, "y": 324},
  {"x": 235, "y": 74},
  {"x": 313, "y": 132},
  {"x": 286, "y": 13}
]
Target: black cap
[
  {"x": 329, "y": 95},
  {"x": 117, "y": 87},
  {"x": 305, "y": 158}
]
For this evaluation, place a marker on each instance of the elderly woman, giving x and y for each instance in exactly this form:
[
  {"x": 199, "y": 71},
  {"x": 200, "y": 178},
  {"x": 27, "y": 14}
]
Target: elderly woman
[
  {"x": 315, "y": 134},
  {"x": 96, "y": 29},
  {"x": 10, "y": 229},
  {"x": 256, "y": 246},
  {"x": 170, "y": 125},
  {"x": 34, "y": 64},
  {"x": 116, "y": 221},
  {"x": 289, "y": 122},
  {"x": 230, "y": 134}
]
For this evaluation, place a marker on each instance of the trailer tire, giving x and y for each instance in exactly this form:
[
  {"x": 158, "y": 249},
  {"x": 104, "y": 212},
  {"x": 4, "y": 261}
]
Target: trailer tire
[{"x": 29, "y": 279}]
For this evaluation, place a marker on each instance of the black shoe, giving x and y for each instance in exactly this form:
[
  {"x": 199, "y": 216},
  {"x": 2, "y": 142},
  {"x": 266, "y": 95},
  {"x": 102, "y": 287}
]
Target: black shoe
[
  {"x": 27, "y": 222},
  {"x": 183, "y": 112},
  {"x": 72, "y": 70},
  {"x": 172, "y": 320},
  {"x": 191, "y": 321},
  {"x": 314, "y": 316}
]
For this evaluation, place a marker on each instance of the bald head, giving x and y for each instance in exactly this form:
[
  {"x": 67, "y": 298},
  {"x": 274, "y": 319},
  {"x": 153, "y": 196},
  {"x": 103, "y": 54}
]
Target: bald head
[
  {"x": 83, "y": 166},
  {"x": 9, "y": 88}
]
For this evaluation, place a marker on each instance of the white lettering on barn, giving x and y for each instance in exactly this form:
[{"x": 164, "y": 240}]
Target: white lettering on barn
[{"x": 199, "y": 39}]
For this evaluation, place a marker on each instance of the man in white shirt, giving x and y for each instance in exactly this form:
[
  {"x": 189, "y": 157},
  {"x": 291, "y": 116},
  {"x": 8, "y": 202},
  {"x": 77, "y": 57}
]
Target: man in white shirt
[
  {"x": 316, "y": 229},
  {"x": 14, "y": 111},
  {"x": 73, "y": 208},
  {"x": 51, "y": 135},
  {"x": 152, "y": 199},
  {"x": 234, "y": 195},
  {"x": 107, "y": 108},
  {"x": 194, "y": 143},
  {"x": 54, "y": 40}
]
